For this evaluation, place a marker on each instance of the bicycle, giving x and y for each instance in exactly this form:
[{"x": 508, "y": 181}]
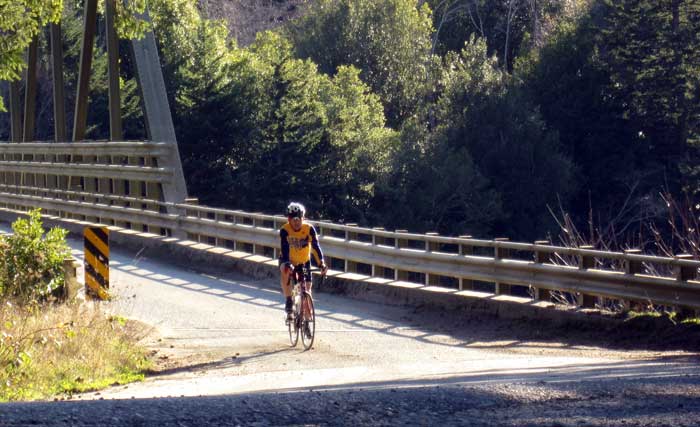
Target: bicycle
[{"x": 303, "y": 314}]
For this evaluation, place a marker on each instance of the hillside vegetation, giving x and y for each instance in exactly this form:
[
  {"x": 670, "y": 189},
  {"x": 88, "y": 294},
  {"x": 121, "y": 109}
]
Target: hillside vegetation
[{"x": 458, "y": 116}]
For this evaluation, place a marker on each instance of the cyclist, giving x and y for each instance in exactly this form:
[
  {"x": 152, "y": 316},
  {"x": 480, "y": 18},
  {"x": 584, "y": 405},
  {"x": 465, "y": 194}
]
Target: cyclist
[{"x": 298, "y": 241}]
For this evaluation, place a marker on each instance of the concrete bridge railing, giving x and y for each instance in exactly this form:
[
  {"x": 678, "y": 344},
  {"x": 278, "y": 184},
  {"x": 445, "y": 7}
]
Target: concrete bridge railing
[{"x": 539, "y": 270}]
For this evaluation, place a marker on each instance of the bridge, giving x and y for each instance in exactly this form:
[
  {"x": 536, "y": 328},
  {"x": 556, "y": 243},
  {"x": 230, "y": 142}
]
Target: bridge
[{"x": 138, "y": 189}]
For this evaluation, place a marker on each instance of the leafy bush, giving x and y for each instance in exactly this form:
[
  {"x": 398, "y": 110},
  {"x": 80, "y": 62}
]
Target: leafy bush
[{"x": 31, "y": 261}]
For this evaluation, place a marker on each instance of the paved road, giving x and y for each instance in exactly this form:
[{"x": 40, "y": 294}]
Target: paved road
[
  {"x": 231, "y": 328},
  {"x": 224, "y": 337}
]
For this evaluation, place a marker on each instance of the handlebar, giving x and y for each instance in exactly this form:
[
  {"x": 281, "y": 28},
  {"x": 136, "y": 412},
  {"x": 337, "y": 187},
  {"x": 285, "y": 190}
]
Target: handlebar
[{"x": 291, "y": 267}]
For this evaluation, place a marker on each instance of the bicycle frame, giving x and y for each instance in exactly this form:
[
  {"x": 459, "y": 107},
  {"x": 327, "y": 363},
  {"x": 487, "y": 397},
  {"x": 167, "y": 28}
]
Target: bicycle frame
[
  {"x": 304, "y": 321},
  {"x": 298, "y": 277}
]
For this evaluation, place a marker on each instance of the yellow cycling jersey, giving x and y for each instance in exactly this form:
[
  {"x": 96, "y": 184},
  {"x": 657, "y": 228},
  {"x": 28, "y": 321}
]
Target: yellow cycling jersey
[{"x": 297, "y": 246}]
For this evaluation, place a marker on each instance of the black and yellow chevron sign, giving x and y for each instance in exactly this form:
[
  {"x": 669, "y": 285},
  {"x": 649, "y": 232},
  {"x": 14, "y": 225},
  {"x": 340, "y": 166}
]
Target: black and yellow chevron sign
[{"x": 97, "y": 261}]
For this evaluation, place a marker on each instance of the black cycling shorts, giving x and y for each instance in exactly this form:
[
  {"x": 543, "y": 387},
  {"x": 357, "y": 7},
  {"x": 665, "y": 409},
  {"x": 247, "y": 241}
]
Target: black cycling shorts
[{"x": 307, "y": 266}]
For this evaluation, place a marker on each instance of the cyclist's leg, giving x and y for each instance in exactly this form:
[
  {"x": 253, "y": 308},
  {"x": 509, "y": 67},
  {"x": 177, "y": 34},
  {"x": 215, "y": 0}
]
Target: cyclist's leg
[
  {"x": 285, "y": 283},
  {"x": 285, "y": 280}
]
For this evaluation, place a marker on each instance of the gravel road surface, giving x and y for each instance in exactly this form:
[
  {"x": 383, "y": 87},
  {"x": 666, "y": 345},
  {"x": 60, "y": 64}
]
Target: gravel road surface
[{"x": 223, "y": 358}]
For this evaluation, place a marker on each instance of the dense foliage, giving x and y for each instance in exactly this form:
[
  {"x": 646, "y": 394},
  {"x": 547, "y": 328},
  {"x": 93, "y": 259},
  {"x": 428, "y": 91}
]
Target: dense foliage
[
  {"x": 488, "y": 165},
  {"x": 258, "y": 126},
  {"x": 626, "y": 113},
  {"x": 98, "y": 117},
  {"x": 20, "y": 22},
  {"x": 459, "y": 116},
  {"x": 31, "y": 260},
  {"x": 389, "y": 41}
]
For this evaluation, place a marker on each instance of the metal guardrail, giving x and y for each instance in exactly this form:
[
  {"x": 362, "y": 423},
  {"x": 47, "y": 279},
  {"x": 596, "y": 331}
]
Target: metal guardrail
[
  {"x": 131, "y": 174},
  {"x": 463, "y": 263},
  {"x": 104, "y": 160},
  {"x": 98, "y": 148}
]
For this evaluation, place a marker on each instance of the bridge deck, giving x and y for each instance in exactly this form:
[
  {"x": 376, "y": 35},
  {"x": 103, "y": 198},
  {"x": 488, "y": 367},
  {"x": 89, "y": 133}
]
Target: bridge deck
[{"x": 225, "y": 335}]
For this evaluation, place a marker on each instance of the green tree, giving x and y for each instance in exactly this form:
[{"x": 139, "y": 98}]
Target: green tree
[
  {"x": 20, "y": 22},
  {"x": 570, "y": 83},
  {"x": 98, "y": 98},
  {"x": 435, "y": 187},
  {"x": 389, "y": 41},
  {"x": 483, "y": 110},
  {"x": 488, "y": 159},
  {"x": 201, "y": 73},
  {"x": 257, "y": 126},
  {"x": 323, "y": 139},
  {"x": 608, "y": 83},
  {"x": 651, "y": 48}
]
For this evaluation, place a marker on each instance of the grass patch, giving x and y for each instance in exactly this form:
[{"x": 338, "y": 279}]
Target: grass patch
[
  {"x": 636, "y": 314},
  {"x": 49, "y": 350}
]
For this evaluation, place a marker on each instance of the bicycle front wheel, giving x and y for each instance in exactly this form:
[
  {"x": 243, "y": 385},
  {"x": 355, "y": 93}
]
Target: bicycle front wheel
[
  {"x": 293, "y": 327},
  {"x": 308, "y": 321}
]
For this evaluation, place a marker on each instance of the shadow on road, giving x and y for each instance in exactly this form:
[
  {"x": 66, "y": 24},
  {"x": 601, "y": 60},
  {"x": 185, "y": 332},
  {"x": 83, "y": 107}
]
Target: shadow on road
[
  {"x": 224, "y": 363},
  {"x": 441, "y": 327}
]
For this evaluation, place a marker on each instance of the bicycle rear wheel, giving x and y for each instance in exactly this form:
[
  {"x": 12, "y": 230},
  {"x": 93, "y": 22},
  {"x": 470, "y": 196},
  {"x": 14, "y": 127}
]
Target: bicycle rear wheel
[{"x": 308, "y": 321}]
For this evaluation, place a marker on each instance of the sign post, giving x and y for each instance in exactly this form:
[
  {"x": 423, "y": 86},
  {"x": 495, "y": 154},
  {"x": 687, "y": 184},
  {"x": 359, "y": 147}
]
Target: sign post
[{"x": 96, "y": 240}]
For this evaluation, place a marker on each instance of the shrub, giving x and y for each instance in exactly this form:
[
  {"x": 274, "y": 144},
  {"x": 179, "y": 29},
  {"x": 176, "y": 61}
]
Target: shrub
[{"x": 31, "y": 261}]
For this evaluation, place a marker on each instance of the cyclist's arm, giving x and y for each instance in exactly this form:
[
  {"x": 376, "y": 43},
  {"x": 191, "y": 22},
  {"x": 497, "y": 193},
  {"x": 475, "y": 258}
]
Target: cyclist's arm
[
  {"x": 284, "y": 245},
  {"x": 315, "y": 247}
]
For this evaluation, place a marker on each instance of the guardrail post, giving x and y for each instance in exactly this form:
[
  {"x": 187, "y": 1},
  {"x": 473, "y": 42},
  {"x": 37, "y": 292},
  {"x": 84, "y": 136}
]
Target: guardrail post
[
  {"x": 500, "y": 253},
  {"x": 350, "y": 235},
  {"x": 350, "y": 266},
  {"x": 632, "y": 266},
  {"x": 320, "y": 230},
  {"x": 431, "y": 246},
  {"x": 219, "y": 242},
  {"x": 377, "y": 240},
  {"x": 276, "y": 226},
  {"x": 431, "y": 279},
  {"x": 584, "y": 263},
  {"x": 70, "y": 278},
  {"x": 256, "y": 222},
  {"x": 191, "y": 213},
  {"x": 398, "y": 244},
  {"x": 135, "y": 192},
  {"x": 465, "y": 250},
  {"x": 683, "y": 274},
  {"x": 542, "y": 257},
  {"x": 324, "y": 232}
]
